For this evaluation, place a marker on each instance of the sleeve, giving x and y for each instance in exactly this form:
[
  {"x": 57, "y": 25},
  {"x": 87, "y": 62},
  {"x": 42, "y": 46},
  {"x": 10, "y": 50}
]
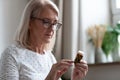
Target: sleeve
[
  {"x": 54, "y": 60},
  {"x": 8, "y": 66},
  {"x": 53, "y": 57}
]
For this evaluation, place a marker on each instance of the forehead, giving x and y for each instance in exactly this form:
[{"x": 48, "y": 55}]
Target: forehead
[{"x": 49, "y": 13}]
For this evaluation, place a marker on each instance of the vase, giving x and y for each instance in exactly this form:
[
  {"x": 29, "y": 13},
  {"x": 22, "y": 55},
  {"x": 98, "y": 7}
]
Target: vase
[
  {"x": 109, "y": 57},
  {"x": 100, "y": 56},
  {"x": 116, "y": 55}
]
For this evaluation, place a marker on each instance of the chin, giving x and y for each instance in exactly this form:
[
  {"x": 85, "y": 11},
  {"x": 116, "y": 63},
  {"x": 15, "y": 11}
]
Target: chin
[{"x": 48, "y": 41}]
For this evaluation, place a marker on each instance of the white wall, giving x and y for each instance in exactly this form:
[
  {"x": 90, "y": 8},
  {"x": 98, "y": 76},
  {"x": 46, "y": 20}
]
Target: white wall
[
  {"x": 1, "y": 24},
  {"x": 92, "y": 12},
  {"x": 10, "y": 12}
]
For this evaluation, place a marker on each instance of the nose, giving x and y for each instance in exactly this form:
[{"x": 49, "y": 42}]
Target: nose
[{"x": 52, "y": 27}]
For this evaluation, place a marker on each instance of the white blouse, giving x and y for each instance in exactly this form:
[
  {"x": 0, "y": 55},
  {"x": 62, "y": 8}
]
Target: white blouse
[{"x": 18, "y": 63}]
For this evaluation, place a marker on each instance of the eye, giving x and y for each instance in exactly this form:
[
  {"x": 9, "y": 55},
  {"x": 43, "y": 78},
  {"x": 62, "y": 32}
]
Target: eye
[
  {"x": 46, "y": 22},
  {"x": 55, "y": 23}
]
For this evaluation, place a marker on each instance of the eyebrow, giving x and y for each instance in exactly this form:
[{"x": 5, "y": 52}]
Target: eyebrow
[
  {"x": 55, "y": 21},
  {"x": 49, "y": 19}
]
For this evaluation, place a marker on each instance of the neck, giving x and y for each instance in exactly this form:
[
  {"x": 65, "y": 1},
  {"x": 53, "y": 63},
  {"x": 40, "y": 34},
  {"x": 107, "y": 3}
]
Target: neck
[{"x": 37, "y": 47}]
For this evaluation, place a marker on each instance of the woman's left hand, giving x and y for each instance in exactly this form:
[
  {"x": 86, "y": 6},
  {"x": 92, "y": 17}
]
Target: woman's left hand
[{"x": 80, "y": 70}]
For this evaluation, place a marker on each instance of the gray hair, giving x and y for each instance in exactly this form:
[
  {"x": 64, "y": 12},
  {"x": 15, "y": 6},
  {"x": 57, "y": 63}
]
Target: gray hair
[{"x": 32, "y": 9}]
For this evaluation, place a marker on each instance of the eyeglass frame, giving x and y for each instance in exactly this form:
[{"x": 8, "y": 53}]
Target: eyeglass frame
[{"x": 47, "y": 25}]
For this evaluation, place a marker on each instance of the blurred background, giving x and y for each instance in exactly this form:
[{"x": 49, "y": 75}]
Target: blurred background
[{"x": 79, "y": 17}]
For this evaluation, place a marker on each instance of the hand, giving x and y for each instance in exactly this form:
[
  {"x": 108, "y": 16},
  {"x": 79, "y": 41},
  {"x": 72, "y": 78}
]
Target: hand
[
  {"x": 80, "y": 70},
  {"x": 59, "y": 69}
]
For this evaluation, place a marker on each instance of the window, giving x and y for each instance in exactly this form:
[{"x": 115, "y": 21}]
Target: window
[
  {"x": 115, "y": 11},
  {"x": 115, "y": 5}
]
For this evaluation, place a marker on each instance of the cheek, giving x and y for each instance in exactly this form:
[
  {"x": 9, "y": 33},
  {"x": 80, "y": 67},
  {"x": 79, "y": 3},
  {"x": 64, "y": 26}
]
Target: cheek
[
  {"x": 38, "y": 30},
  {"x": 53, "y": 34}
]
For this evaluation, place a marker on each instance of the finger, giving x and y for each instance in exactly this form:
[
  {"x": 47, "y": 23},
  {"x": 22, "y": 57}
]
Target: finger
[
  {"x": 83, "y": 69},
  {"x": 83, "y": 61},
  {"x": 67, "y": 60},
  {"x": 79, "y": 73},
  {"x": 61, "y": 65},
  {"x": 62, "y": 71},
  {"x": 83, "y": 65}
]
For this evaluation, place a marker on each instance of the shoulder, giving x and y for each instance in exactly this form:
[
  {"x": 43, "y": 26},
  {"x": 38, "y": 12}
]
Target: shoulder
[
  {"x": 13, "y": 50},
  {"x": 9, "y": 56},
  {"x": 50, "y": 54},
  {"x": 9, "y": 50}
]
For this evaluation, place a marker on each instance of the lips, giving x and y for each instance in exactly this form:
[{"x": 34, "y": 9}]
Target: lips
[{"x": 49, "y": 35}]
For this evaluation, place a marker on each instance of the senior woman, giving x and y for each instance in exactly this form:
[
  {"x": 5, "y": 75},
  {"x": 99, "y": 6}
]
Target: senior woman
[{"x": 30, "y": 58}]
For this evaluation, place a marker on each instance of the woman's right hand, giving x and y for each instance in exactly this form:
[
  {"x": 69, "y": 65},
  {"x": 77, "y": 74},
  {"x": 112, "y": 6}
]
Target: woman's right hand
[{"x": 59, "y": 69}]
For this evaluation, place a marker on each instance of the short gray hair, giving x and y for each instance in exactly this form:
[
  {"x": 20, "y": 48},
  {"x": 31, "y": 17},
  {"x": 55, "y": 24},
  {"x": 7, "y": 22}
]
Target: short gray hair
[{"x": 32, "y": 9}]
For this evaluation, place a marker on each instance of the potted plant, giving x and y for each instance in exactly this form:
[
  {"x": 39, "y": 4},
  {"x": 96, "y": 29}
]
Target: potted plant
[
  {"x": 96, "y": 34},
  {"x": 110, "y": 40}
]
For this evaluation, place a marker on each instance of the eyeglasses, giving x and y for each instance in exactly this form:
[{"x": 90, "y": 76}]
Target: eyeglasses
[{"x": 47, "y": 23}]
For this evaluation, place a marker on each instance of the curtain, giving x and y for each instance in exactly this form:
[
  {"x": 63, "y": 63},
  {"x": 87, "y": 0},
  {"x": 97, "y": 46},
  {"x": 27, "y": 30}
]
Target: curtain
[
  {"x": 58, "y": 45},
  {"x": 66, "y": 45},
  {"x": 77, "y": 16}
]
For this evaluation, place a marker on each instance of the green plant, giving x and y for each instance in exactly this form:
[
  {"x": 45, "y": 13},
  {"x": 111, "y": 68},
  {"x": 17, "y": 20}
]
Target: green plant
[{"x": 110, "y": 40}]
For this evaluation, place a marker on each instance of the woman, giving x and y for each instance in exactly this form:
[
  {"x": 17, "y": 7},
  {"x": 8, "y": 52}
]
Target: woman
[{"x": 30, "y": 58}]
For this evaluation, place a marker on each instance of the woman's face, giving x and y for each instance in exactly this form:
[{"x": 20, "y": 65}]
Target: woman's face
[{"x": 40, "y": 31}]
